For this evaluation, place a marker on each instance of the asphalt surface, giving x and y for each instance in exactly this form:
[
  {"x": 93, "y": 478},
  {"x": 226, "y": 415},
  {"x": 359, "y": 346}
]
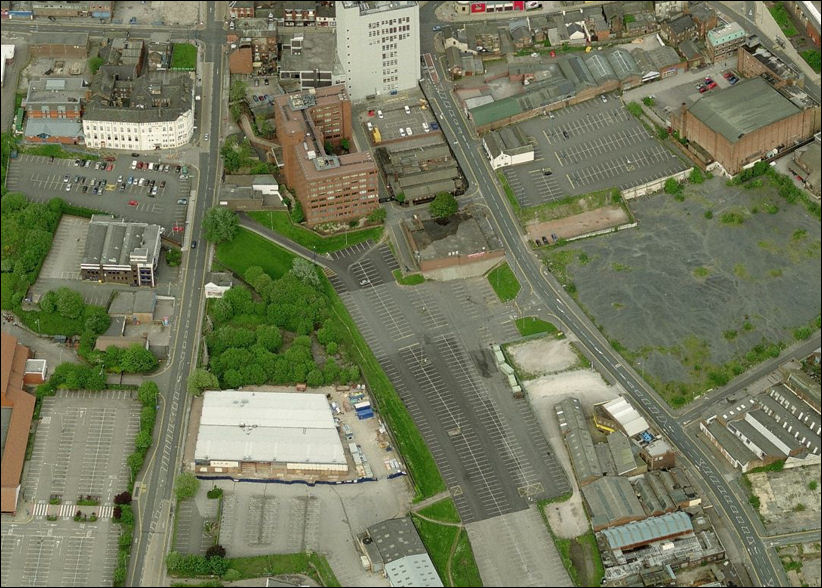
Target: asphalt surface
[{"x": 766, "y": 568}]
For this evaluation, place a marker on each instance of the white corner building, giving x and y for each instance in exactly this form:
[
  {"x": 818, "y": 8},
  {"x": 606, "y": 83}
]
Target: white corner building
[{"x": 378, "y": 45}]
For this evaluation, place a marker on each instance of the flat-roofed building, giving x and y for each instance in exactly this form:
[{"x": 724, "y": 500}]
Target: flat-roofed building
[
  {"x": 378, "y": 44},
  {"x": 658, "y": 455},
  {"x": 723, "y": 41},
  {"x": 310, "y": 58},
  {"x": 268, "y": 434},
  {"x": 737, "y": 126},
  {"x": 120, "y": 251},
  {"x": 330, "y": 188},
  {"x": 729, "y": 445}
]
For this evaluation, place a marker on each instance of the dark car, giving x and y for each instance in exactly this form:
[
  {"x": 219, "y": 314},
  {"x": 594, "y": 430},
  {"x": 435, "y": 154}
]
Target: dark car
[
  {"x": 194, "y": 244},
  {"x": 135, "y": 155},
  {"x": 565, "y": 134},
  {"x": 544, "y": 240},
  {"x": 85, "y": 189}
]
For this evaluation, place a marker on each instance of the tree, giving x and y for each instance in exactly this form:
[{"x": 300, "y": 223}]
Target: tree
[
  {"x": 400, "y": 197},
  {"x": 48, "y": 302},
  {"x": 216, "y": 550},
  {"x": 186, "y": 486},
  {"x": 123, "y": 498},
  {"x": 297, "y": 214},
  {"x": 220, "y": 224},
  {"x": 314, "y": 378},
  {"x": 96, "y": 319},
  {"x": 173, "y": 256},
  {"x": 221, "y": 311},
  {"x": 269, "y": 337},
  {"x": 443, "y": 206},
  {"x": 377, "y": 215},
  {"x": 672, "y": 186},
  {"x": 240, "y": 299},
  {"x": 201, "y": 380},
  {"x": 135, "y": 463},
  {"x": 345, "y": 144},
  {"x": 143, "y": 441},
  {"x": 147, "y": 393},
  {"x": 237, "y": 91},
  {"x": 305, "y": 271},
  {"x": 138, "y": 359},
  {"x": 148, "y": 415},
  {"x": 70, "y": 304},
  {"x": 94, "y": 64}
]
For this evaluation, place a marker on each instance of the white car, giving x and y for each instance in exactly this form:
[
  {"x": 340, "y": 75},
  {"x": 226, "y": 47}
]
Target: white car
[
  {"x": 407, "y": 110},
  {"x": 206, "y": 137},
  {"x": 408, "y": 131},
  {"x": 370, "y": 126},
  {"x": 379, "y": 113},
  {"x": 402, "y": 132},
  {"x": 425, "y": 127}
]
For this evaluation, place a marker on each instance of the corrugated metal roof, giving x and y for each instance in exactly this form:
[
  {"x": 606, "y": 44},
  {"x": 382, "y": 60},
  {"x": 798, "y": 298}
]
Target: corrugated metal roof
[
  {"x": 626, "y": 415},
  {"x": 649, "y": 530}
]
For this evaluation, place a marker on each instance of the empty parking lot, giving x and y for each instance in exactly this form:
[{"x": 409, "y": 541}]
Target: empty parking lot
[
  {"x": 587, "y": 147},
  {"x": 487, "y": 445}
]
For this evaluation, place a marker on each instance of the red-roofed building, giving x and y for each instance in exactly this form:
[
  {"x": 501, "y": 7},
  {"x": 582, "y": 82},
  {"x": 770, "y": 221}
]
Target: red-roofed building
[{"x": 17, "y": 410}]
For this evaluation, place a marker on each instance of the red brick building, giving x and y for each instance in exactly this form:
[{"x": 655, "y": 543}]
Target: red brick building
[
  {"x": 18, "y": 408},
  {"x": 739, "y": 125},
  {"x": 330, "y": 188}
]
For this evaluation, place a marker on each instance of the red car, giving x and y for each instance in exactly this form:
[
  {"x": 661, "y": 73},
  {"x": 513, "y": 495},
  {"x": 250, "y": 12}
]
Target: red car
[
  {"x": 712, "y": 85},
  {"x": 703, "y": 89},
  {"x": 132, "y": 203}
]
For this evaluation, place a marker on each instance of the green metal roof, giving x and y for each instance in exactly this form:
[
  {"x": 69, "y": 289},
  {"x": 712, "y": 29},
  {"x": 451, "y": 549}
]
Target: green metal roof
[
  {"x": 743, "y": 108},
  {"x": 497, "y": 110}
]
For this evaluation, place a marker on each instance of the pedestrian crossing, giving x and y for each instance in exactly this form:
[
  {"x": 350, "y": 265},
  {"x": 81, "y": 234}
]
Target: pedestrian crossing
[{"x": 42, "y": 509}]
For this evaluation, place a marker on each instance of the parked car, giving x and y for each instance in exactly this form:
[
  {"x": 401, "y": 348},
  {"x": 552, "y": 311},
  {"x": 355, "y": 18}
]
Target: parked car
[
  {"x": 425, "y": 127},
  {"x": 408, "y": 131},
  {"x": 379, "y": 113},
  {"x": 402, "y": 132},
  {"x": 407, "y": 109},
  {"x": 370, "y": 126},
  {"x": 206, "y": 137},
  {"x": 182, "y": 201},
  {"x": 77, "y": 163},
  {"x": 162, "y": 184},
  {"x": 712, "y": 85},
  {"x": 132, "y": 203},
  {"x": 68, "y": 187},
  {"x": 703, "y": 89},
  {"x": 65, "y": 178},
  {"x": 85, "y": 189}
]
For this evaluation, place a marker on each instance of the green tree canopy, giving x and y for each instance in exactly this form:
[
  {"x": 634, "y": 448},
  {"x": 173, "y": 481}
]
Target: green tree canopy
[
  {"x": 147, "y": 393},
  {"x": 443, "y": 206},
  {"x": 201, "y": 379},
  {"x": 220, "y": 224},
  {"x": 186, "y": 485}
]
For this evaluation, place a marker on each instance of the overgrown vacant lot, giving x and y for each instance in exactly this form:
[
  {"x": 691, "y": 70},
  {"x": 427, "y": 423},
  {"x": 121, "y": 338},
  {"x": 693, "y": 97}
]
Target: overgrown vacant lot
[{"x": 704, "y": 287}]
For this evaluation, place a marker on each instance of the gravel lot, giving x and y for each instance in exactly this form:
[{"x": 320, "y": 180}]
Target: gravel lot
[
  {"x": 781, "y": 493},
  {"x": 685, "y": 291}
]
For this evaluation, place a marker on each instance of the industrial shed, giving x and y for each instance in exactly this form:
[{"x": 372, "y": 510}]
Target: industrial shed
[
  {"x": 637, "y": 534},
  {"x": 611, "y": 501},
  {"x": 621, "y": 411},
  {"x": 268, "y": 434}
]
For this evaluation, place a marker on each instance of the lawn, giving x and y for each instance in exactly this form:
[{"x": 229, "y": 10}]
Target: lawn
[
  {"x": 504, "y": 282},
  {"x": 463, "y": 565},
  {"x": 813, "y": 57},
  {"x": 531, "y": 325},
  {"x": 249, "y": 249},
  {"x": 313, "y": 565},
  {"x": 438, "y": 540},
  {"x": 184, "y": 57},
  {"x": 783, "y": 19},
  {"x": 409, "y": 280},
  {"x": 280, "y": 222},
  {"x": 444, "y": 510},
  {"x": 509, "y": 193}
]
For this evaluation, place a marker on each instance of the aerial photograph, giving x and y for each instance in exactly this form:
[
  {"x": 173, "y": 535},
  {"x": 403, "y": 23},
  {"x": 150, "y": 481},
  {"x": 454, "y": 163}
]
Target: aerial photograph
[{"x": 397, "y": 293}]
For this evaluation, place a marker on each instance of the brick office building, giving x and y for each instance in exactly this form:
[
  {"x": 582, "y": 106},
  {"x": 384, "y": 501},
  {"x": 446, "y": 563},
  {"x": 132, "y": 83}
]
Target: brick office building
[
  {"x": 739, "y": 125},
  {"x": 330, "y": 188}
]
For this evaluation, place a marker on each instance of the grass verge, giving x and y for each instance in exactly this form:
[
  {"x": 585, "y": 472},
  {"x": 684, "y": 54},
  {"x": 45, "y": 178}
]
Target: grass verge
[
  {"x": 444, "y": 510},
  {"x": 439, "y": 539},
  {"x": 280, "y": 222},
  {"x": 409, "y": 280},
  {"x": 311, "y": 564},
  {"x": 584, "y": 546},
  {"x": 531, "y": 325},
  {"x": 249, "y": 249},
  {"x": 504, "y": 282},
  {"x": 418, "y": 459},
  {"x": 813, "y": 57},
  {"x": 509, "y": 193},
  {"x": 184, "y": 57}
]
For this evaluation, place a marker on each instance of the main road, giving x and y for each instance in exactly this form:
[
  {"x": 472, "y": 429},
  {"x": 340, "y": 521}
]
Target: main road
[{"x": 766, "y": 568}]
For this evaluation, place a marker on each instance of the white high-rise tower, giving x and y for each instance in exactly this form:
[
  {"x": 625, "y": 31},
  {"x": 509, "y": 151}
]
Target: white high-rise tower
[{"x": 378, "y": 44}]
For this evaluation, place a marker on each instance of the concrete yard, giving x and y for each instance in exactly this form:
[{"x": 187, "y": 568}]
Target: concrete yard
[
  {"x": 690, "y": 287},
  {"x": 588, "y": 147},
  {"x": 787, "y": 503}
]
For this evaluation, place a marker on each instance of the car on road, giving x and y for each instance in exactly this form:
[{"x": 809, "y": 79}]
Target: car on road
[
  {"x": 436, "y": 28},
  {"x": 182, "y": 201},
  {"x": 206, "y": 136},
  {"x": 135, "y": 155},
  {"x": 194, "y": 244},
  {"x": 379, "y": 113},
  {"x": 52, "y": 19},
  {"x": 132, "y": 203}
]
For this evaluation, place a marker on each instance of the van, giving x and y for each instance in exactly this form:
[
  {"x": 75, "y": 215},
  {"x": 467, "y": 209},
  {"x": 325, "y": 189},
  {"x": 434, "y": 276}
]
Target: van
[{"x": 407, "y": 110}]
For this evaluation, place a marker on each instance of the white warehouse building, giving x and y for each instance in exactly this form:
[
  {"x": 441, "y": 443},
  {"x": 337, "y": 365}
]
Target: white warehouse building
[
  {"x": 507, "y": 146},
  {"x": 268, "y": 435},
  {"x": 155, "y": 111},
  {"x": 378, "y": 45}
]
